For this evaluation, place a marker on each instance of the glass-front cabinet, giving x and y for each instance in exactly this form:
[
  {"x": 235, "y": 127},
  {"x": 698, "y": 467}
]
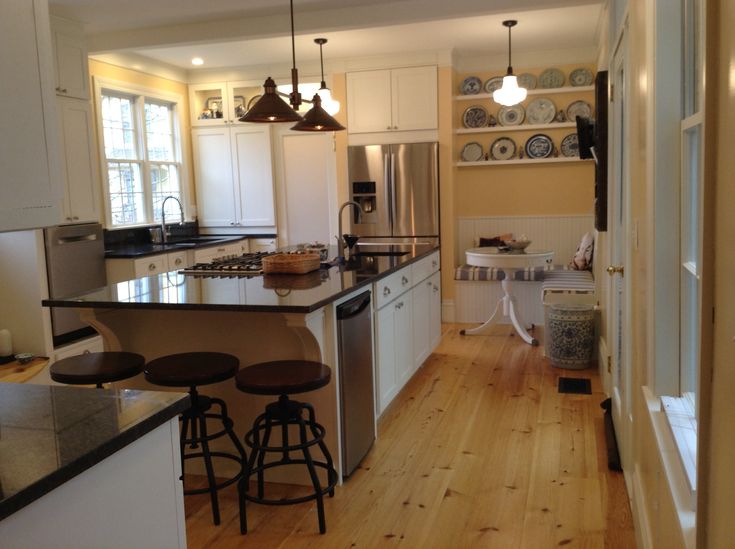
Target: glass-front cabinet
[{"x": 217, "y": 103}]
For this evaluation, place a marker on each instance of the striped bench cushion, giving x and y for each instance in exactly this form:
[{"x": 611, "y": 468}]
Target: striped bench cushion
[
  {"x": 568, "y": 281},
  {"x": 470, "y": 272}
]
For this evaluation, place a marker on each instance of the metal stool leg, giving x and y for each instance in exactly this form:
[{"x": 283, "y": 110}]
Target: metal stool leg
[
  {"x": 261, "y": 457},
  {"x": 182, "y": 442},
  {"x": 313, "y": 475},
  {"x": 243, "y": 484},
  {"x": 210, "y": 470},
  {"x": 331, "y": 471}
]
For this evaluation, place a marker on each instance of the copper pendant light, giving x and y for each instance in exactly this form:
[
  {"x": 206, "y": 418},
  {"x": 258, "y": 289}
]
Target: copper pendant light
[
  {"x": 317, "y": 119},
  {"x": 270, "y": 107}
]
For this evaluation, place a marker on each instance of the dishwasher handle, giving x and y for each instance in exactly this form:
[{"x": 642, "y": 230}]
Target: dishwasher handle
[{"x": 353, "y": 307}]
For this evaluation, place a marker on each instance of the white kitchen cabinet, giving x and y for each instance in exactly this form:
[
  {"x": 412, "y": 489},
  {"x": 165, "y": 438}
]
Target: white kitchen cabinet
[
  {"x": 392, "y": 100},
  {"x": 30, "y": 194},
  {"x": 421, "y": 304},
  {"x": 120, "y": 269},
  {"x": 80, "y": 203},
  {"x": 213, "y": 253},
  {"x": 435, "y": 311},
  {"x": 221, "y": 103},
  {"x": 385, "y": 344},
  {"x": 262, "y": 244},
  {"x": 71, "y": 67},
  {"x": 234, "y": 176},
  {"x": 92, "y": 344}
]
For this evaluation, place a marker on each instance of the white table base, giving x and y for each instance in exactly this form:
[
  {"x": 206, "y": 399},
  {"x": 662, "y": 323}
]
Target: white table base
[{"x": 509, "y": 309}]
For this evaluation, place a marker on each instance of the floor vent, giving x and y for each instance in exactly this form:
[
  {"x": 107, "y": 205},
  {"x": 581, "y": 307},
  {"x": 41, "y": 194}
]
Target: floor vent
[{"x": 575, "y": 386}]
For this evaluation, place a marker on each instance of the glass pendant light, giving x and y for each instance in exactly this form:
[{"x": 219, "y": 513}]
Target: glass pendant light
[
  {"x": 270, "y": 107},
  {"x": 510, "y": 93},
  {"x": 329, "y": 104}
]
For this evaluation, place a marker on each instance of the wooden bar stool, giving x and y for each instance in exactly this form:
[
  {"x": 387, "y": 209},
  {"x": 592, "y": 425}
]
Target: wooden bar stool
[
  {"x": 283, "y": 378},
  {"x": 97, "y": 368},
  {"x": 191, "y": 370}
]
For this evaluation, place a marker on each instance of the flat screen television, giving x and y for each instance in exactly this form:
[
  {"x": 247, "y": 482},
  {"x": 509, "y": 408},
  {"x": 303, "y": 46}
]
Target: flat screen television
[{"x": 585, "y": 137}]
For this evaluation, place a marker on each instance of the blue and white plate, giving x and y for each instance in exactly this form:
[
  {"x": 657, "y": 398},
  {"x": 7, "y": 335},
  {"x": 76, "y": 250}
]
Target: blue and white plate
[
  {"x": 471, "y": 86},
  {"x": 540, "y": 111},
  {"x": 503, "y": 148},
  {"x": 539, "y": 146},
  {"x": 527, "y": 80},
  {"x": 475, "y": 117},
  {"x": 511, "y": 116},
  {"x": 581, "y": 77},
  {"x": 492, "y": 84},
  {"x": 579, "y": 108},
  {"x": 471, "y": 152},
  {"x": 551, "y": 78},
  {"x": 570, "y": 145}
]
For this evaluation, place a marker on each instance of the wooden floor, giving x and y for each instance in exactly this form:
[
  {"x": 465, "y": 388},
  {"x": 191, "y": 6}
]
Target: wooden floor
[{"x": 478, "y": 450}]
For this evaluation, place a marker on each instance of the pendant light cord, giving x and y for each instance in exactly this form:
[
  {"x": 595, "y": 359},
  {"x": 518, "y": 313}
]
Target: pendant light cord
[
  {"x": 510, "y": 65},
  {"x": 321, "y": 61},
  {"x": 295, "y": 97},
  {"x": 293, "y": 43}
]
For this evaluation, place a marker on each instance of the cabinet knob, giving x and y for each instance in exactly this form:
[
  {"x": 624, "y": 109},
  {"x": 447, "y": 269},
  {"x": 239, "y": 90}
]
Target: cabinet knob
[
  {"x": 388, "y": 128},
  {"x": 404, "y": 280},
  {"x": 177, "y": 261},
  {"x": 232, "y": 222},
  {"x": 434, "y": 263},
  {"x": 75, "y": 218},
  {"x": 386, "y": 291},
  {"x": 428, "y": 283},
  {"x": 152, "y": 267},
  {"x": 436, "y": 289},
  {"x": 68, "y": 218},
  {"x": 612, "y": 269},
  {"x": 395, "y": 127}
]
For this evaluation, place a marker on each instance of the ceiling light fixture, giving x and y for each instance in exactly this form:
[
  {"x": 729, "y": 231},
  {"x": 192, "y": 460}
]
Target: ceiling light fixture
[
  {"x": 509, "y": 94},
  {"x": 197, "y": 61},
  {"x": 330, "y": 104}
]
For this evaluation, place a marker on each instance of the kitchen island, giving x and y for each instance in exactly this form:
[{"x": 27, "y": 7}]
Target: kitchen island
[
  {"x": 89, "y": 468},
  {"x": 256, "y": 318}
]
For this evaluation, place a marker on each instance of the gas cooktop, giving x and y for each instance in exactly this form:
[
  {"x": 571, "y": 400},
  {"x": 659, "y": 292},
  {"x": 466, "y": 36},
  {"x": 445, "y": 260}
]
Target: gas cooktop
[{"x": 250, "y": 264}]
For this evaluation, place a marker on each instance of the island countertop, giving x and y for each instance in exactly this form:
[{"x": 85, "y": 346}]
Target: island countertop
[
  {"x": 51, "y": 434},
  {"x": 263, "y": 293}
]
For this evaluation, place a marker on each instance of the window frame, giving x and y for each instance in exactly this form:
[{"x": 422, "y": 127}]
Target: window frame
[{"x": 139, "y": 95}]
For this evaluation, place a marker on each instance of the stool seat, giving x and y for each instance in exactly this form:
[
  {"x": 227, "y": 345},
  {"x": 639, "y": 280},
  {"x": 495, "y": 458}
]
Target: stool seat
[
  {"x": 97, "y": 368},
  {"x": 191, "y": 369},
  {"x": 283, "y": 377}
]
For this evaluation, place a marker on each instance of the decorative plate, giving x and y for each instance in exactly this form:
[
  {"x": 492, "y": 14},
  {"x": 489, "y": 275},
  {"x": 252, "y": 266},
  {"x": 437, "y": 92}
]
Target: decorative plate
[
  {"x": 511, "y": 116},
  {"x": 551, "y": 78},
  {"x": 474, "y": 117},
  {"x": 503, "y": 148},
  {"x": 527, "y": 80},
  {"x": 492, "y": 84},
  {"x": 471, "y": 86},
  {"x": 579, "y": 108},
  {"x": 471, "y": 152},
  {"x": 539, "y": 146},
  {"x": 540, "y": 111},
  {"x": 581, "y": 77},
  {"x": 570, "y": 145}
]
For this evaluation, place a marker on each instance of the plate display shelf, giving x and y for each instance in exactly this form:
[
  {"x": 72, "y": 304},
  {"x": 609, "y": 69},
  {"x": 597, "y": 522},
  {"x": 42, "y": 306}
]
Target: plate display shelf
[{"x": 486, "y": 99}]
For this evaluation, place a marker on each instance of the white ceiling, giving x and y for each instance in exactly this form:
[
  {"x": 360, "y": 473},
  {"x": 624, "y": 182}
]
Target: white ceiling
[{"x": 230, "y": 33}]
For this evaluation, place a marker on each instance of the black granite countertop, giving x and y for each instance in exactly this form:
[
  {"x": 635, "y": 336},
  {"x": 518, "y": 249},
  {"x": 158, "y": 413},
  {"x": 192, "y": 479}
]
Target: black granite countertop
[
  {"x": 266, "y": 293},
  {"x": 141, "y": 249},
  {"x": 50, "y": 434}
]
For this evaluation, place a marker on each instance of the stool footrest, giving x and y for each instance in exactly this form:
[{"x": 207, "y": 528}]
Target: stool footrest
[
  {"x": 219, "y": 485},
  {"x": 323, "y": 492}
]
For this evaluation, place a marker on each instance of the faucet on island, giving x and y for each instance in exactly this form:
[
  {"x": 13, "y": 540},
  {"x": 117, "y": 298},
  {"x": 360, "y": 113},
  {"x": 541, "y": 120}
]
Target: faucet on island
[
  {"x": 340, "y": 237},
  {"x": 164, "y": 235}
]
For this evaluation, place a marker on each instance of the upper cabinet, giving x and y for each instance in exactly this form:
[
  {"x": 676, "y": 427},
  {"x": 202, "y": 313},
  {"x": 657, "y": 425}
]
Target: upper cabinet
[
  {"x": 30, "y": 193},
  {"x": 392, "y": 100},
  {"x": 234, "y": 176},
  {"x": 221, "y": 103},
  {"x": 71, "y": 68}
]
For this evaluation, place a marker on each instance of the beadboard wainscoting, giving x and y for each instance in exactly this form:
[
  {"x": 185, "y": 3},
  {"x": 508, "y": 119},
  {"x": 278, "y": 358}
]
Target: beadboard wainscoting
[{"x": 475, "y": 300}]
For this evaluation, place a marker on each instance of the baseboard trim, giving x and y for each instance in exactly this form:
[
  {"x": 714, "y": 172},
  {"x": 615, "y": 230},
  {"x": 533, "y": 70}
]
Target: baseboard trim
[
  {"x": 448, "y": 313},
  {"x": 640, "y": 516}
]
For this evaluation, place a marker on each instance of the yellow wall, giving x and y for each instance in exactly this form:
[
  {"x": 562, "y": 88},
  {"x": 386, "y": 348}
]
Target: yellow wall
[{"x": 113, "y": 72}]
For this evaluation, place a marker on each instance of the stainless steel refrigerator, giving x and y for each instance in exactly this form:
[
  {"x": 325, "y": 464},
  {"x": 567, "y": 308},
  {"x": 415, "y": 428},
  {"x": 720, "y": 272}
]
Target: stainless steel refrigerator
[{"x": 398, "y": 189}]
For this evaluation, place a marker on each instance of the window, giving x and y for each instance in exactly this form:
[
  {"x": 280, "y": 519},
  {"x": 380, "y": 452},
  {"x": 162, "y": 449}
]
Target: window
[{"x": 142, "y": 155}]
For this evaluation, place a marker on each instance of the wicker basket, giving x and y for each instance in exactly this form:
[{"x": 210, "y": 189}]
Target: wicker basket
[
  {"x": 292, "y": 281},
  {"x": 291, "y": 263}
]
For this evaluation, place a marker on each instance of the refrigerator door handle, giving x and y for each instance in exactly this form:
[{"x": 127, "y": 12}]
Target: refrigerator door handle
[
  {"x": 388, "y": 169},
  {"x": 393, "y": 212}
]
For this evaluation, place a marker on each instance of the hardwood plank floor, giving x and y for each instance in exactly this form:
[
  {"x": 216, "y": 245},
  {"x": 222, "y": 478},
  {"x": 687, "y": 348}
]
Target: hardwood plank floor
[{"x": 479, "y": 450}]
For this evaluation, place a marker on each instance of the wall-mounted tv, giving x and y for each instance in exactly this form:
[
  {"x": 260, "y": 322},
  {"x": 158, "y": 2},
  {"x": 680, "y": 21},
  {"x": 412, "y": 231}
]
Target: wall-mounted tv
[{"x": 586, "y": 137}]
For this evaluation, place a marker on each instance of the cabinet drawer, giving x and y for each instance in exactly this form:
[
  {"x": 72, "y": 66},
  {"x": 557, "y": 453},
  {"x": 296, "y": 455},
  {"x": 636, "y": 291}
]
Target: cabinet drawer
[
  {"x": 208, "y": 255},
  {"x": 392, "y": 286},
  {"x": 425, "y": 267},
  {"x": 177, "y": 260},
  {"x": 147, "y": 266}
]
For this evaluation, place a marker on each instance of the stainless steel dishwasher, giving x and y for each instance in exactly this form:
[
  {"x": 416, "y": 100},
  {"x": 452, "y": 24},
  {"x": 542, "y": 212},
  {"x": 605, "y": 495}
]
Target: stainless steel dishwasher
[{"x": 354, "y": 327}]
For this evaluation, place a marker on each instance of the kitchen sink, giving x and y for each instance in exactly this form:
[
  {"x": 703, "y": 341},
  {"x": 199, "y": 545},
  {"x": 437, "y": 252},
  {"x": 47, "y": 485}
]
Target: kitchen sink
[
  {"x": 193, "y": 241},
  {"x": 369, "y": 253}
]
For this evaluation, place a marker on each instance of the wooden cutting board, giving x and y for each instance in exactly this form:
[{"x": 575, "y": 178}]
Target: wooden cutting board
[{"x": 15, "y": 372}]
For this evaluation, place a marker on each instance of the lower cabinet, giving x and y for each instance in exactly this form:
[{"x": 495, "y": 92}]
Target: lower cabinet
[
  {"x": 119, "y": 270},
  {"x": 407, "y": 330}
]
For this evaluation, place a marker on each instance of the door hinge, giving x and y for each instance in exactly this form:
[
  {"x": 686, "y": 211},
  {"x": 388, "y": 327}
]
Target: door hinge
[{"x": 609, "y": 364}]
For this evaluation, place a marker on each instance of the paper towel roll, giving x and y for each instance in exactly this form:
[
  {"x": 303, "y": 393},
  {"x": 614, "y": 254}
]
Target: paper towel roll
[{"x": 6, "y": 343}]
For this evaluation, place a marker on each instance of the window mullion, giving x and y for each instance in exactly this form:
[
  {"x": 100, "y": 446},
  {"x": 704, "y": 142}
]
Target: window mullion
[{"x": 143, "y": 151}]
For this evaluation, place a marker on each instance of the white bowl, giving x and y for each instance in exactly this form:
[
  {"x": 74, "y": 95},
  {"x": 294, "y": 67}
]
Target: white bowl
[{"x": 517, "y": 244}]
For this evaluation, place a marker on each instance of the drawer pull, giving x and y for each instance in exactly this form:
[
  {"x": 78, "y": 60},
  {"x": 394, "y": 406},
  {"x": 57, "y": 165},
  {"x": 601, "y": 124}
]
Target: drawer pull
[
  {"x": 399, "y": 305},
  {"x": 404, "y": 280},
  {"x": 152, "y": 267},
  {"x": 386, "y": 290}
]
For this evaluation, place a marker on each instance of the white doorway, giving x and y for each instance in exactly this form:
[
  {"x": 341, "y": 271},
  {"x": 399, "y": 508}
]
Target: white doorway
[{"x": 619, "y": 310}]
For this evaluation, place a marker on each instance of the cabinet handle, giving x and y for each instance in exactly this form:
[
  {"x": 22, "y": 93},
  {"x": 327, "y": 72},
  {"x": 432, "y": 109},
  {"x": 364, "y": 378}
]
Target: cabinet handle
[
  {"x": 433, "y": 263},
  {"x": 428, "y": 283},
  {"x": 399, "y": 305},
  {"x": 436, "y": 289},
  {"x": 58, "y": 89},
  {"x": 388, "y": 128},
  {"x": 404, "y": 280},
  {"x": 220, "y": 249},
  {"x": 75, "y": 218},
  {"x": 386, "y": 291},
  {"x": 232, "y": 222},
  {"x": 68, "y": 218},
  {"x": 152, "y": 267}
]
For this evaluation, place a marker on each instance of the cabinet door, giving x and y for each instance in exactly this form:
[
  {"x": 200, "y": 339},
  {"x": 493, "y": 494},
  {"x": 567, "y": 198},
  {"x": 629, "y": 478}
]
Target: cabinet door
[
  {"x": 421, "y": 296},
  {"x": 150, "y": 265},
  {"x": 414, "y": 98},
  {"x": 369, "y": 101},
  {"x": 78, "y": 160},
  {"x": 31, "y": 189},
  {"x": 178, "y": 260},
  {"x": 385, "y": 343},
  {"x": 404, "y": 338},
  {"x": 208, "y": 104},
  {"x": 435, "y": 311},
  {"x": 216, "y": 197},
  {"x": 72, "y": 72},
  {"x": 253, "y": 172}
]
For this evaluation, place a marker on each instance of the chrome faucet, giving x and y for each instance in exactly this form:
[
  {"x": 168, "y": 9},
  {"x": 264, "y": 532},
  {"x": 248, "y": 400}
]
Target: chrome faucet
[
  {"x": 164, "y": 235},
  {"x": 340, "y": 238}
]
